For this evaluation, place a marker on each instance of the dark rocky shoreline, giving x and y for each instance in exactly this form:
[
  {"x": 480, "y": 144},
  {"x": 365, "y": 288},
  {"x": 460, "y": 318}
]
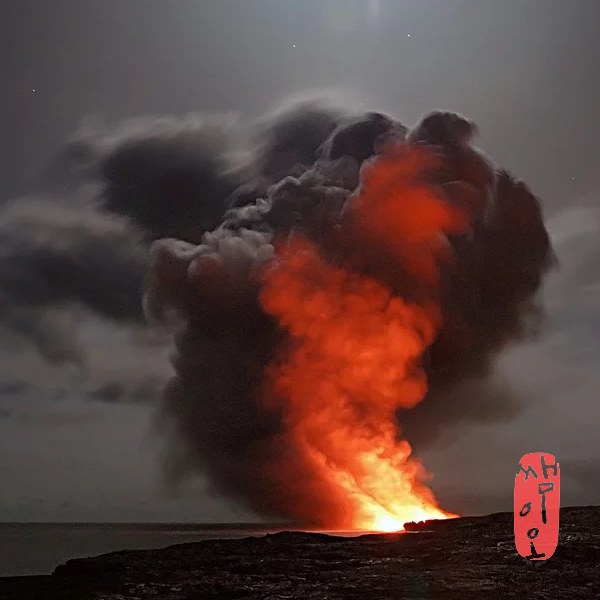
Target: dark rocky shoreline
[{"x": 460, "y": 559}]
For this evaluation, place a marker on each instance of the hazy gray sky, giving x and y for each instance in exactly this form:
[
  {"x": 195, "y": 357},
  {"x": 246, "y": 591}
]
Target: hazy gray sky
[{"x": 526, "y": 72}]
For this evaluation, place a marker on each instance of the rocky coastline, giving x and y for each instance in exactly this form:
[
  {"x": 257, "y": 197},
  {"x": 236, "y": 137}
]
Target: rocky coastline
[{"x": 464, "y": 558}]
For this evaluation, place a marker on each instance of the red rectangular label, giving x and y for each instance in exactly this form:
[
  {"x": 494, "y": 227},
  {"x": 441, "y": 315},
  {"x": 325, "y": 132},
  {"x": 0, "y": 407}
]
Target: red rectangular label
[{"x": 537, "y": 506}]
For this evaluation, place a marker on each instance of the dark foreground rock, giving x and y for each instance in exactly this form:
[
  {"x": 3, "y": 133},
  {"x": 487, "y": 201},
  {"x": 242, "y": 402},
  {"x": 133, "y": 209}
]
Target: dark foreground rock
[{"x": 462, "y": 559}]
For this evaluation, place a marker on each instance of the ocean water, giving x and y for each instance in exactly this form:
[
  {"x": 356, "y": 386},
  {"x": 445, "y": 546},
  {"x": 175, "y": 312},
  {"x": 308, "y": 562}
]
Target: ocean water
[{"x": 37, "y": 548}]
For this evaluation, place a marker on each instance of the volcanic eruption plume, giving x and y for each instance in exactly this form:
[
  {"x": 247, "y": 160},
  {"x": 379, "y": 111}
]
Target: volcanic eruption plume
[
  {"x": 333, "y": 303},
  {"x": 338, "y": 284},
  {"x": 355, "y": 349}
]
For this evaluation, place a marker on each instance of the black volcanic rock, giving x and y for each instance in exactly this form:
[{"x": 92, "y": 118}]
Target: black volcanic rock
[{"x": 459, "y": 559}]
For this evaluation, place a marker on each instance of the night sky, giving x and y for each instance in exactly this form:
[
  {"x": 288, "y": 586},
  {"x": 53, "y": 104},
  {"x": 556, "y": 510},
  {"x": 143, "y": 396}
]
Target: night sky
[{"x": 526, "y": 72}]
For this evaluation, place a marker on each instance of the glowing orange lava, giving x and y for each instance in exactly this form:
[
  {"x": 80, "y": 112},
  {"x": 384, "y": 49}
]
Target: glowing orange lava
[{"x": 355, "y": 350}]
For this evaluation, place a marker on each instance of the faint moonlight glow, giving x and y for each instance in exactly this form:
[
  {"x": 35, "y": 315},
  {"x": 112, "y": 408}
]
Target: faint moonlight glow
[{"x": 375, "y": 10}]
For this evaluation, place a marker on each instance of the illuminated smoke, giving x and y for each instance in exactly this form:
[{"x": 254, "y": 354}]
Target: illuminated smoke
[
  {"x": 426, "y": 260},
  {"x": 277, "y": 393}
]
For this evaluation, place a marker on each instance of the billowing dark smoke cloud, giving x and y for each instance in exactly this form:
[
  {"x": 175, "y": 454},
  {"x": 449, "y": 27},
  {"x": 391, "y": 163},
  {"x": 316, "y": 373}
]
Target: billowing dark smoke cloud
[
  {"x": 494, "y": 303},
  {"x": 288, "y": 139},
  {"x": 171, "y": 177},
  {"x": 55, "y": 257},
  {"x": 83, "y": 242},
  {"x": 222, "y": 195},
  {"x": 214, "y": 408}
]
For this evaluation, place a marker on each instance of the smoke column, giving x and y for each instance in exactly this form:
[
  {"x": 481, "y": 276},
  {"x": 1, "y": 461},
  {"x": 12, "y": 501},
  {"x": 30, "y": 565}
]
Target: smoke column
[
  {"x": 386, "y": 271},
  {"x": 338, "y": 286}
]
